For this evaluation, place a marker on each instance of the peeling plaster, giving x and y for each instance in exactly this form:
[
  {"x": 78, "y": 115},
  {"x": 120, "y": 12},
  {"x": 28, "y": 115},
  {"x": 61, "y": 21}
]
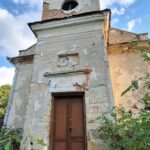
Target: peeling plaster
[
  {"x": 94, "y": 74},
  {"x": 37, "y": 106},
  {"x": 75, "y": 39},
  {"x": 85, "y": 51}
]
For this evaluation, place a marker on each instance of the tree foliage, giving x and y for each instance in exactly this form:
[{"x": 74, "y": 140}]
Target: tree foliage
[{"x": 4, "y": 95}]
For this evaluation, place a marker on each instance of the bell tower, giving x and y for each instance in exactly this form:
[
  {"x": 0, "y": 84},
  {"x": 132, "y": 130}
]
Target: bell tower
[{"x": 64, "y": 8}]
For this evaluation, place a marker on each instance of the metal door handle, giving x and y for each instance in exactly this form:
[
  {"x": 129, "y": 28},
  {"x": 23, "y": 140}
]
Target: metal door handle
[
  {"x": 71, "y": 128},
  {"x": 70, "y": 124}
]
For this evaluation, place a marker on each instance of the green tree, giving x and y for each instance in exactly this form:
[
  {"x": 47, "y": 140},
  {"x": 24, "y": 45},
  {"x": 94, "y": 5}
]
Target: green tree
[{"x": 4, "y": 95}]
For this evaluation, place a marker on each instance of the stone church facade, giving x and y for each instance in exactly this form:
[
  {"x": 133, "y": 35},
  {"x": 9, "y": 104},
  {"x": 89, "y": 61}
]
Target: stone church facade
[{"x": 62, "y": 83}]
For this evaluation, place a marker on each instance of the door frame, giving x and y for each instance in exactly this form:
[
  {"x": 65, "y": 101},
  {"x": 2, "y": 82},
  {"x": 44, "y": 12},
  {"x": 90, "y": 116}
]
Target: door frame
[{"x": 64, "y": 94}]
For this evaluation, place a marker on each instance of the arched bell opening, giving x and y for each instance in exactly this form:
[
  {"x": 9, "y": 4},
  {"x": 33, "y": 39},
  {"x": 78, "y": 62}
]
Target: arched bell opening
[{"x": 69, "y": 5}]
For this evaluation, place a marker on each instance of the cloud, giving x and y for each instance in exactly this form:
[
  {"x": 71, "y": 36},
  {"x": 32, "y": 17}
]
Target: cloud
[
  {"x": 15, "y": 34},
  {"x": 29, "y": 2},
  {"x": 6, "y": 75},
  {"x": 131, "y": 24},
  {"x": 116, "y": 11},
  {"x": 108, "y": 3}
]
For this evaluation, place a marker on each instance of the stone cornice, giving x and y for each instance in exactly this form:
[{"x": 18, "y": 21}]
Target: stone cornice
[
  {"x": 82, "y": 71},
  {"x": 20, "y": 59},
  {"x": 68, "y": 21}
]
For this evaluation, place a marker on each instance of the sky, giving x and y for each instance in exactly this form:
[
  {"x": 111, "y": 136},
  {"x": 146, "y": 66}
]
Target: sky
[{"x": 15, "y": 35}]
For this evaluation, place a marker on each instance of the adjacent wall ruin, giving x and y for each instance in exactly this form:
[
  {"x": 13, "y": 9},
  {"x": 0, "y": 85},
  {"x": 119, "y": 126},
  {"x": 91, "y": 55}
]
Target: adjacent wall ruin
[{"x": 126, "y": 65}]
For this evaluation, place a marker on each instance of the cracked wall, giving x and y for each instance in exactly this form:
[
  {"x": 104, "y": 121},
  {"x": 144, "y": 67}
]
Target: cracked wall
[
  {"x": 126, "y": 65},
  {"x": 16, "y": 111},
  {"x": 89, "y": 75},
  {"x": 70, "y": 56},
  {"x": 53, "y": 8}
]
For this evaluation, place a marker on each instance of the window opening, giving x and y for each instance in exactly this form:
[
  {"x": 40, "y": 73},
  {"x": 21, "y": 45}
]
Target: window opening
[{"x": 69, "y": 5}]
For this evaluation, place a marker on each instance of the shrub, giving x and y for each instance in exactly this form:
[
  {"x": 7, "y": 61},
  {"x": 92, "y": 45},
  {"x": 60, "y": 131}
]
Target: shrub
[
  {"x": 10, "y": 139},
  {"x": 127, "y": 132}
]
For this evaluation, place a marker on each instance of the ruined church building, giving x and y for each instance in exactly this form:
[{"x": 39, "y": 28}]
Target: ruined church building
[{"x": 72, "y": 75}]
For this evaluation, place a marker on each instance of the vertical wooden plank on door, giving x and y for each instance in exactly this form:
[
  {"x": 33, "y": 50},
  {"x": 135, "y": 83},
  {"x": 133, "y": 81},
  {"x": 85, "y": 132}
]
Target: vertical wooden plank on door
[
  {"x": 77, "y": 124},
  {"x": 60, "y": 124}
]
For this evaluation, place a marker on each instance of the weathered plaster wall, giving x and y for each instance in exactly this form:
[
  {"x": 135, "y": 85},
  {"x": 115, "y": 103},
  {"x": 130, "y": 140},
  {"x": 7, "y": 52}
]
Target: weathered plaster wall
[
  {"x": 88, "y": 74},
  {"x": 53, "y": 8},
  {"x": 126, "y": 64},
  {"x": 117, "y": 36},
  {"x": 16, "y": 112},
  {"x": 28, "y": 51}
]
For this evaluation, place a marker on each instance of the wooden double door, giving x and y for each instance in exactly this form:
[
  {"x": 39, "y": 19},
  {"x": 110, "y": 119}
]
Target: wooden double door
[{"x": 68, "y": 123}]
